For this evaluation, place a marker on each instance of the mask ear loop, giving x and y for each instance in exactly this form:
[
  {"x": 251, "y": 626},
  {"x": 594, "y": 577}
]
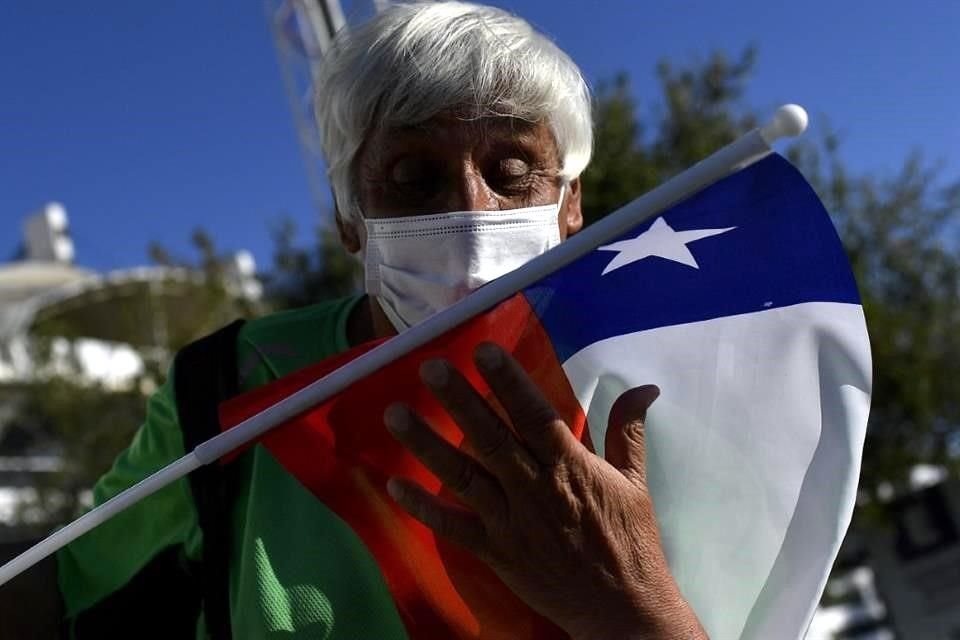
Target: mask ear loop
[{"x": 360, "y": 220}]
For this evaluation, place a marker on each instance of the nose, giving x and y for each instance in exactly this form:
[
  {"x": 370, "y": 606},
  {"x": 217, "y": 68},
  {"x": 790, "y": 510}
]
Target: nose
[{"x": 469, "y": 190}]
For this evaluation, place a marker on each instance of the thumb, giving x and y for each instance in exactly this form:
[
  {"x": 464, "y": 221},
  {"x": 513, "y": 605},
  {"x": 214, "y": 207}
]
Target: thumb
[{"x": 625, "y": 445}]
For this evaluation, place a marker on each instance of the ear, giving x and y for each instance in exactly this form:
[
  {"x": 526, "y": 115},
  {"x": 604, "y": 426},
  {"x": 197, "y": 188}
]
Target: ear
[
  {"x": 571, "y": 216},
  {"x": 347, "y": 231}
]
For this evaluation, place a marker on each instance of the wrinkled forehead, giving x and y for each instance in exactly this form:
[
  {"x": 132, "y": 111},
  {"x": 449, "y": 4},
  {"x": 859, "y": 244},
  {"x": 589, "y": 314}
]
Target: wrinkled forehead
[{"x": 456, "y": 128}]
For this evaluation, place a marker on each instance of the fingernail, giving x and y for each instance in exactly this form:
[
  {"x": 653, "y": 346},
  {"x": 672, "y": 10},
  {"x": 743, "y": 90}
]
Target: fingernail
[
  {"x": 488, "y": 356},
  {"x": 397, "y": 418},
  {"x": 653, "y": 391},
  {"x": 435, "y": 373}
]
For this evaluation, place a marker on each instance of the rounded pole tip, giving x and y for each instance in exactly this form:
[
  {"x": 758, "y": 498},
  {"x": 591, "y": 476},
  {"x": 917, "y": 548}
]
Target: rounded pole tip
[{"x": 789, "y": 121}]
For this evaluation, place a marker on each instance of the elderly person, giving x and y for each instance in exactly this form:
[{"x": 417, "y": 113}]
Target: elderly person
[{"x": 455, "y": 135}]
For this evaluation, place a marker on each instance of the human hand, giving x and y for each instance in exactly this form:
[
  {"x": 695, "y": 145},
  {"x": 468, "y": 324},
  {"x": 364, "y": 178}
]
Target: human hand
[{"x": 571, "y": 534}]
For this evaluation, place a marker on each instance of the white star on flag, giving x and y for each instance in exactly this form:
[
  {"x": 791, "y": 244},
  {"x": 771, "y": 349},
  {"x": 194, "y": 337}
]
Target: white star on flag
[{"x": 659, "y": 240}]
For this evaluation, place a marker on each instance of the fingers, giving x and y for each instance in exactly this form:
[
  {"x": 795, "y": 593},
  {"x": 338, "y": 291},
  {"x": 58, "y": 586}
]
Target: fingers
[
  {"x": 546, "y": 436},
  {"x": 625, "y": 442},
  {"x": 453, "y": 523},
  {"x": 494, "y": 443},
  {"x": 456, "y": 470}
]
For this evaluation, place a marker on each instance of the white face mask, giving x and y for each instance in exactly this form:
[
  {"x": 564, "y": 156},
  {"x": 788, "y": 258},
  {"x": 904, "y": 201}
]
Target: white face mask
[{"x": 419, "y": 265}]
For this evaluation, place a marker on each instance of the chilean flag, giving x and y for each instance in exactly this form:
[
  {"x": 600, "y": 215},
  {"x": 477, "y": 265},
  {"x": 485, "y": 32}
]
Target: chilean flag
[{"x": 740, "y": 305}]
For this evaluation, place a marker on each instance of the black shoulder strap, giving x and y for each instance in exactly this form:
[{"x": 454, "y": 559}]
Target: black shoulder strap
[
  {"x": 132, "y": 610},
  {"x": 205, "y": 374}
]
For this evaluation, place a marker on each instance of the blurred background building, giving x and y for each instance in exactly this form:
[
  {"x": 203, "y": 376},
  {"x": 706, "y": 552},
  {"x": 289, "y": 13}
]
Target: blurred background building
[{"x": 99, "y": 333}]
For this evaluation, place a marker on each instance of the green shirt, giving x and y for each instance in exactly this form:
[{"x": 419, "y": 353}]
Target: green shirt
[{"x": 297, "y": 570}]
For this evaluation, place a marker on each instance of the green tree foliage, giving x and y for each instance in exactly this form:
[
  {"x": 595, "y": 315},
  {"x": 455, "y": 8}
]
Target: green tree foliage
[
  {"x": 213, "y": 299},
  {"x": 698, "y": 111},
  {"x": 307, "y": 275},
  {"x": 900, "y": 235},
  {"x": 899, "y": 231},
  {"x": 81, "y": 425},
  {"x": 622, "y": 167}
]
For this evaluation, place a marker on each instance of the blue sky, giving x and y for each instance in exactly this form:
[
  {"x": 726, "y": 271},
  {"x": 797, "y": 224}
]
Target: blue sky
[{"x": 147, "y": 120}]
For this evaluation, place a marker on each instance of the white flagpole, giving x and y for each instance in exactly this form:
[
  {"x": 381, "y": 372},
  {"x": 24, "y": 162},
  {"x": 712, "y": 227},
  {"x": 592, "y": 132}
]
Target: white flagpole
[{"x": 788, "y": 121}]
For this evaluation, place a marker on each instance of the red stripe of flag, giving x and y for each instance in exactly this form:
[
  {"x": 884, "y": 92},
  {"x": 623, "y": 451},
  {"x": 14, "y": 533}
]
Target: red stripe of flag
[{"x": 342, "y": 453}]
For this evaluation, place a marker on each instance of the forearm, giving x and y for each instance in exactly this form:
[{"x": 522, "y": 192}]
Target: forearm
[{"x": 30, "y": 604}]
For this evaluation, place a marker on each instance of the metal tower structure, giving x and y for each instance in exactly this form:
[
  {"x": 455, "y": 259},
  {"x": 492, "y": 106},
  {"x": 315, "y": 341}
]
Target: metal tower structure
[{"x": 303, "y": 31}]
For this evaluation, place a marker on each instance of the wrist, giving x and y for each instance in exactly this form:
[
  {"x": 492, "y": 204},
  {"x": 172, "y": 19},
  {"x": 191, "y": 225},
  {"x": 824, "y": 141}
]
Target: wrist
[
  {"x": 665, "y": 616},
  {"x": 675, "y": 622}
]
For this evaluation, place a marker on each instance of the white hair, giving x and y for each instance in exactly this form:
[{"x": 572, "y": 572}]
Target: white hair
[{"x": 413, "y": 61}]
